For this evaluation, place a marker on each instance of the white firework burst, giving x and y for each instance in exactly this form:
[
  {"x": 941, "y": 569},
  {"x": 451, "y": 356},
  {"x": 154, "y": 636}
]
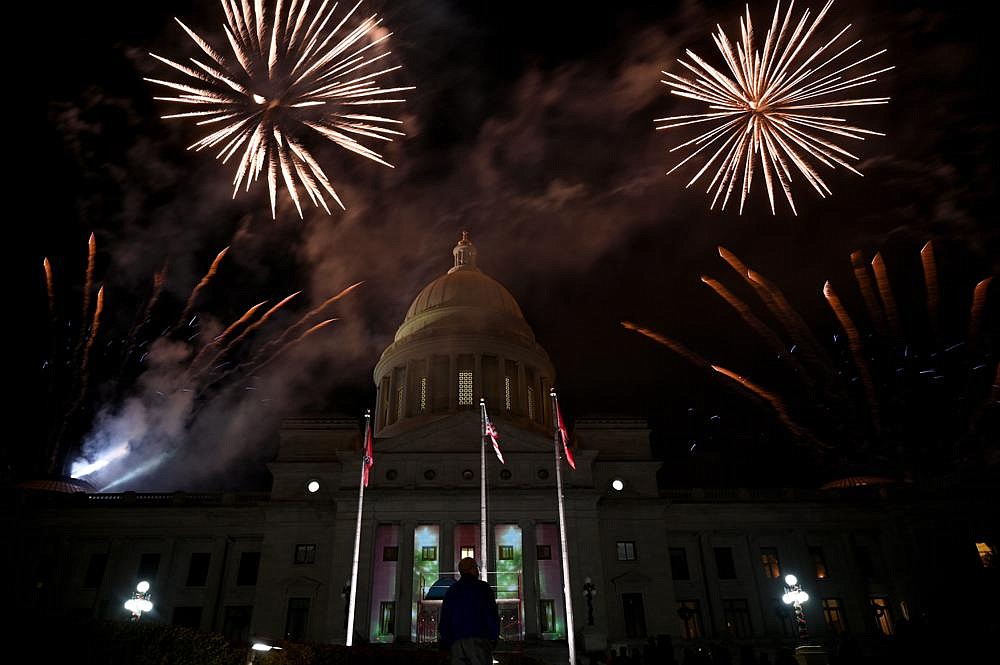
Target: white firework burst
[
  {"x": 771, "y": 106},
  {"x": 294, "y": 73}
]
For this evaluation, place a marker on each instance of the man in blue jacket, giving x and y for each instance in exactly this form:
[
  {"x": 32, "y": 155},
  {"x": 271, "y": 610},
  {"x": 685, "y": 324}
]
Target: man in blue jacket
[{"x": 469, "y": 622}]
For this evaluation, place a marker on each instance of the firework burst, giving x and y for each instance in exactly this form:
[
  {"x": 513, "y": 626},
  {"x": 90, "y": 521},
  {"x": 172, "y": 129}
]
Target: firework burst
[
  {"x": 772, "y": 107},
  {"x": 293, "y": 73}
]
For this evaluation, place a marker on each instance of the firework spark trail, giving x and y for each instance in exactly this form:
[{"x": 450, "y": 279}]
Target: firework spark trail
[
  {"x": 885, "y": 292},
  {"x": 978, "y": 305},
  {"x": 197, "y": 289},
  {"x": 673, "y": 345},
  {"x": 306, "y": 317},
  {"x": 289, "y": 78},
  {"x": 316, "y": 328},
  {"x": 776, "y": 403},
  {"x": 931, "y": 282},
  {"x": 251, "y": 328},
  {"x": 743, "y": 310},
  {"x": 864, "y": 281},
  {"x": 95, "y": 326},
  {"x": 854, "y": 342},
  {"x": 744, "y": 272},
  {"x": 50, "y": 288},
  {"x": 771, "y": 104},
  {"x": 794, "y": 322},
  {"x": 226, "y": 333},
  {"x": 88, "y": 284}
]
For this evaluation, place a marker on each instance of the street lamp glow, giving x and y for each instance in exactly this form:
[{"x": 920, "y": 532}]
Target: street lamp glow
[
  {"x": 260, "y": 646},
  {"x": 791, "y": 580},
  {"x": 313, "y": 486},
  {"x": 142, "y": 587},
  {"x": 617, "y": 484}
]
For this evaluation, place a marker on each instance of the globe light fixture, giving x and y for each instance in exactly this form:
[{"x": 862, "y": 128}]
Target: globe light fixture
[
  {"x": 618, "y": 484},
  {"x": 313, "y": 486},
  {"x": 139, "y": 602}
]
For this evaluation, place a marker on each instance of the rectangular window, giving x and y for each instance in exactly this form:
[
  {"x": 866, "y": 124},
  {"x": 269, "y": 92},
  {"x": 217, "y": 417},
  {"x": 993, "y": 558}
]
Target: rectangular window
[
  {"x": 626, "y": 550},
  {"x": 387, "y": 617},
  {"x": 506, "y": 392},
  {"x": 390, "y": 553},
  {"x": 429, "y": 553},
  {"x": 986, "y": 554},
  {"x": 769, "y": 559},
  {"x": 543, "y": 552},
  {"x": 547, "y": 616},
  {"x": 690, "y": 613},
  {"x": 833, "y": 612},
  {"x": 297, "y": 619},
  {"x": 95, "y": 570},
  {"x": 236, "y": 623},
  {"x": 819, "y": 563},
  {"x": 246, "y": 574},
  {"x": 679, "y": 564},
  {"x": 883, "y": 615},
  {"x": 724, "y": 563},
  {"x": 305, "y": 554},
  {"x": 400, "y": 403},
  {"x": 531, "y": 403},
  {"x": 149, "y": 563},
  {"x": 468, "y": 552},
  {"x": 188, "y": 617},
  {"x": 505, "y": 552},
  {"x": 198, "y": 569},
  {"x": 465, "y": 388},
  {"x": 736, "y": 613},
  {"x": 423, "y": 394}
]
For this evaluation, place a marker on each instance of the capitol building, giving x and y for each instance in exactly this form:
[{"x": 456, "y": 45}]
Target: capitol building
[{"x": 702, "y": 566}]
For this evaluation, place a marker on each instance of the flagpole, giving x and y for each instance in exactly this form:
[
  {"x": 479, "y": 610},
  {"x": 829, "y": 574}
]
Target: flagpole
[
  {"x": 357, "y": 530},
  {"x": 482, "y": 492},
  {"x": 570, "y": 631}
]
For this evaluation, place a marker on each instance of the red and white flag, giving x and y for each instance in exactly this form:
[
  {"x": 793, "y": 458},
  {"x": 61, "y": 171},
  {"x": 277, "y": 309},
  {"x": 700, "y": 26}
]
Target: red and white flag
[
  {"x": 491, "y": 431},
  {"x": 564, "y": 435},
  {"x": 369, "y": 458}
]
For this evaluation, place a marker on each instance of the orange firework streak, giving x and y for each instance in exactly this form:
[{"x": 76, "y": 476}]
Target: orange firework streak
[
  {"x": 931, "y": 281},
  {"x": 744, "y": 272},
  {"x": 252, "y": 327},
  {"x": 868, "y": 291},
  {"x": 316, "y": 328},
  {"x": 854, "y": 341},
  {"x": 885, "y": 291},
  {"x": 95, "y": 326},
  {"x": 794, "y": 323},
  {"x": 978, "y": 304},
  {"x": 775, "y": 402},
  {"x": 88, "y": 284},
  {"x": 674, "y": 346},
  {"x": 741, "y": 308},
  {"x": 308, "y": 315},
  {"x": 228, "y": 331},
  {"x": 197, "y": 289},
  {"x": 50, "y": 286}
]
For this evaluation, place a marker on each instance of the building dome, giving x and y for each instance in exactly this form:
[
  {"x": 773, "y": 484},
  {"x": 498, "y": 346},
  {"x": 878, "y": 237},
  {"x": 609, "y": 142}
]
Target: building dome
[{"x": 463, "y": 338}]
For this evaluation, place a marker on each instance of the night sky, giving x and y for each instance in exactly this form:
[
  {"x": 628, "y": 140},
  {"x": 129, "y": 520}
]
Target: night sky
[{"x": 531, "y": 127}]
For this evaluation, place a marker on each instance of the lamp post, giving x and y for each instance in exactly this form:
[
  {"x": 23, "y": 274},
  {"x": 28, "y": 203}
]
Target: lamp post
[
  {"x": 795, "y": 596},
  {"x": 139, "y": 602},
  {"x": 589, "y": 591}
]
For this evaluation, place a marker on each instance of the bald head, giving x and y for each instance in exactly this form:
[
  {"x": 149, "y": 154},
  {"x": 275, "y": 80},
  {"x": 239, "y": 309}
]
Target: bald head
[{"x": 467, "y": 566}]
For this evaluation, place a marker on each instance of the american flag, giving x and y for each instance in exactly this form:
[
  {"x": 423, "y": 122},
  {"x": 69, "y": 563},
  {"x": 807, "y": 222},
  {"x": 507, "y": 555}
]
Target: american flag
[{"x": 491, "y": 431}]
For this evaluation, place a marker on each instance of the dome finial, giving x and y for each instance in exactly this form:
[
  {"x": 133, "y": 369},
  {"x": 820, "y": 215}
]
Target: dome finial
[{"x": 465, "y": 254}]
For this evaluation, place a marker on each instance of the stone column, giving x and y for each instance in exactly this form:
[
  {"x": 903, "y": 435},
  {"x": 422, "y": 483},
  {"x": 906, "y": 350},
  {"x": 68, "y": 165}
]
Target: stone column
[{"x": 452, "y": 382}]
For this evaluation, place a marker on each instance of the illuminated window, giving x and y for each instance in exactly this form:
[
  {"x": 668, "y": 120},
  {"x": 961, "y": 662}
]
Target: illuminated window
[
  {"x": 626, "y": 550},
  {"x": 769, "y": 559},
  {"x": 531, "y": 403},
  {"x": 986, "y": 553},
  {"x": 423, "y": 394},
  {"x": 819, "y": 562},
  {"x": 833, "y": 612},
  {"x": 305, "y": 554},
  {"x": 505, "y": 552},
  {"x": 543, "y": 552},
  {"x": 883, "y": 615},
  {"x": 506, "y": 392},
  {"x": 465, "y": 388},
  {"x": 468, "y": 552},
  {"x": 547, "y": 615},
  {"x": 429, "y": 553},
  {"x": 387, "y": 617},
  {"x": 690, "y": 613},
  {"x": 399, "y": 402},
  {"x": 736, "y": 612}
]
